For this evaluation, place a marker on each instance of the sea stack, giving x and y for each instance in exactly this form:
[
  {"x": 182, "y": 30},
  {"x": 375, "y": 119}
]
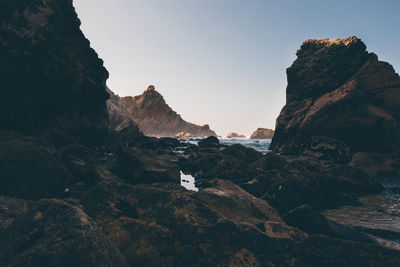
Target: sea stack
[
  {"x": 235, "y": 135},
  {"x": 340, "y": 98},
  {"x": 262, "y": 133}
]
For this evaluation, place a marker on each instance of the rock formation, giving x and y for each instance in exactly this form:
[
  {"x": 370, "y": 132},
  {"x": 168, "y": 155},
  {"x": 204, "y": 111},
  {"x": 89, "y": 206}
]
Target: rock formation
[
  {"x": 76, "y": 190},
  {"x": 339, "y": 96},
  {"x": 155, "y": 118},
  {"x": 50, "y": 78},
  {"x": 235, "y": 135},
  {"x": 262, "y": 133}
]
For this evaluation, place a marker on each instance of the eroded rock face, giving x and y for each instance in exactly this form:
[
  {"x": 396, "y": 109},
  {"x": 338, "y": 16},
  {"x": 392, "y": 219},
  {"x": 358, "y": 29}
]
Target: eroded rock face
[
  {"x": 340, "y": 93},
  {"x": 155, "y": 118},
  {"x": 262, "y": 133},
  {"x": 50, "y": 76}
]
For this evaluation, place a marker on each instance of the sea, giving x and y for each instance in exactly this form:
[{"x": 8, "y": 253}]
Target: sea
[{"x": 261, "y": 145}]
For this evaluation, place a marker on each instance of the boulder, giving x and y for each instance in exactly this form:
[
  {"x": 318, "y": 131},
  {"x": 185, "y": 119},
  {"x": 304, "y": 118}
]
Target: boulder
[
  {"x": 210, "y": 141},
  {"x": 54, "y": 233},
  {"x": 262, "y": 133},
  {"x": 30, "y": 170}
]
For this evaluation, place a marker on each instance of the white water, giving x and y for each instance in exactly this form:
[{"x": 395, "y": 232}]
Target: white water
[{"x": 188, "y": 182}]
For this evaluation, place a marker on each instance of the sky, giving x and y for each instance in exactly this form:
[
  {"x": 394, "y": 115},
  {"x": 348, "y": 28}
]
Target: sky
[{"x": 223, "y": 62}]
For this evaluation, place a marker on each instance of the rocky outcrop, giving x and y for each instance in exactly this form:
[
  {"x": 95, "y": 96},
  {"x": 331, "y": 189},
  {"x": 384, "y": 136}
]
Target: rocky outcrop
[
  {"x": 222, "y": 225},
  {"x": 155, "y": 118},
  {"x": 50, "y": 78},
  {"x": 54, "y": 233},
  {"x": 235, "y": 135},
  {"x": 339, "y": 96},
  {"x": 262, "y": 133}
]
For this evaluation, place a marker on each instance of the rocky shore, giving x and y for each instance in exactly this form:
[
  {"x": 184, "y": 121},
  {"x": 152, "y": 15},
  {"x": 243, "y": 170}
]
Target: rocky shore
[{"x": 80, "y": 185}]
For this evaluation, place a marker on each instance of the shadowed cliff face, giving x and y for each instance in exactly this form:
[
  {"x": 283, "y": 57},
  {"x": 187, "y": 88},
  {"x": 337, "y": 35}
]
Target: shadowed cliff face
[
  {"x": 339, "y": 96},
  {"x": 50, "y": 76},
  {"x": 155, "y": 118}
]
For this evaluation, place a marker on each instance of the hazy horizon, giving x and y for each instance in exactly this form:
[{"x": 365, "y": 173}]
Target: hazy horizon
[{"x": 223, "y": 63}]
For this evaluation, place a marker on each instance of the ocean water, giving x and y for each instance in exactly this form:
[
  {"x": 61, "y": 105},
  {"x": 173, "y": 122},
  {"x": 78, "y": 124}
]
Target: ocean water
[{"x": 261, "y": 145}]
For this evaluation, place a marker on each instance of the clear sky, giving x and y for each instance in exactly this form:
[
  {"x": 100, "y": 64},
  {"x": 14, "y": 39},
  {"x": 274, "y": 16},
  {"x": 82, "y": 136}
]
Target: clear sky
[{"x": 223, "y": 62}]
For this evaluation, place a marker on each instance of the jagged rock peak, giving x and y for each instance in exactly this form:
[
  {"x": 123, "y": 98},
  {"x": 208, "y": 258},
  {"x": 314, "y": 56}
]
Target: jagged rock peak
[
  {"x": 150, "y": 88},
  {"x": 155, "y": 117},
  {"x": 323, "y": 65},
  {"x": 349, "y": 41}
]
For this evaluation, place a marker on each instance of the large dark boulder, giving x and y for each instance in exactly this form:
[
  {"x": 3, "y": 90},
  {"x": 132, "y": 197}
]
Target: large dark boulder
[
  {"x": 30, "y": 170},
  {"x": 50, "y": 76},
  {"x": 337, "y": 90},
  {"x": 210, "y": 141},
  {"x": 54, "y": 233}
]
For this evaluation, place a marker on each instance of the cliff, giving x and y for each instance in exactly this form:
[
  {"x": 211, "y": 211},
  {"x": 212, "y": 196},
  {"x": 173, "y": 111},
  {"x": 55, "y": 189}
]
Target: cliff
[
  {"x": 51, "y": 78},
  {"x": 339, "y": 99},
  {"x": 262, "y": 133},
  {"x": 155, "y": 118}
]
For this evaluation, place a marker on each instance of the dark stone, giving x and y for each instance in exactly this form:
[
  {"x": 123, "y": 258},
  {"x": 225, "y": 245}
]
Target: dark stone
[
  {"x": 170, "y": 142},
  {"x": 54, "y": 233},
  {"x": 29, "y": 170},
  {"x": 210, "y": 141}
]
